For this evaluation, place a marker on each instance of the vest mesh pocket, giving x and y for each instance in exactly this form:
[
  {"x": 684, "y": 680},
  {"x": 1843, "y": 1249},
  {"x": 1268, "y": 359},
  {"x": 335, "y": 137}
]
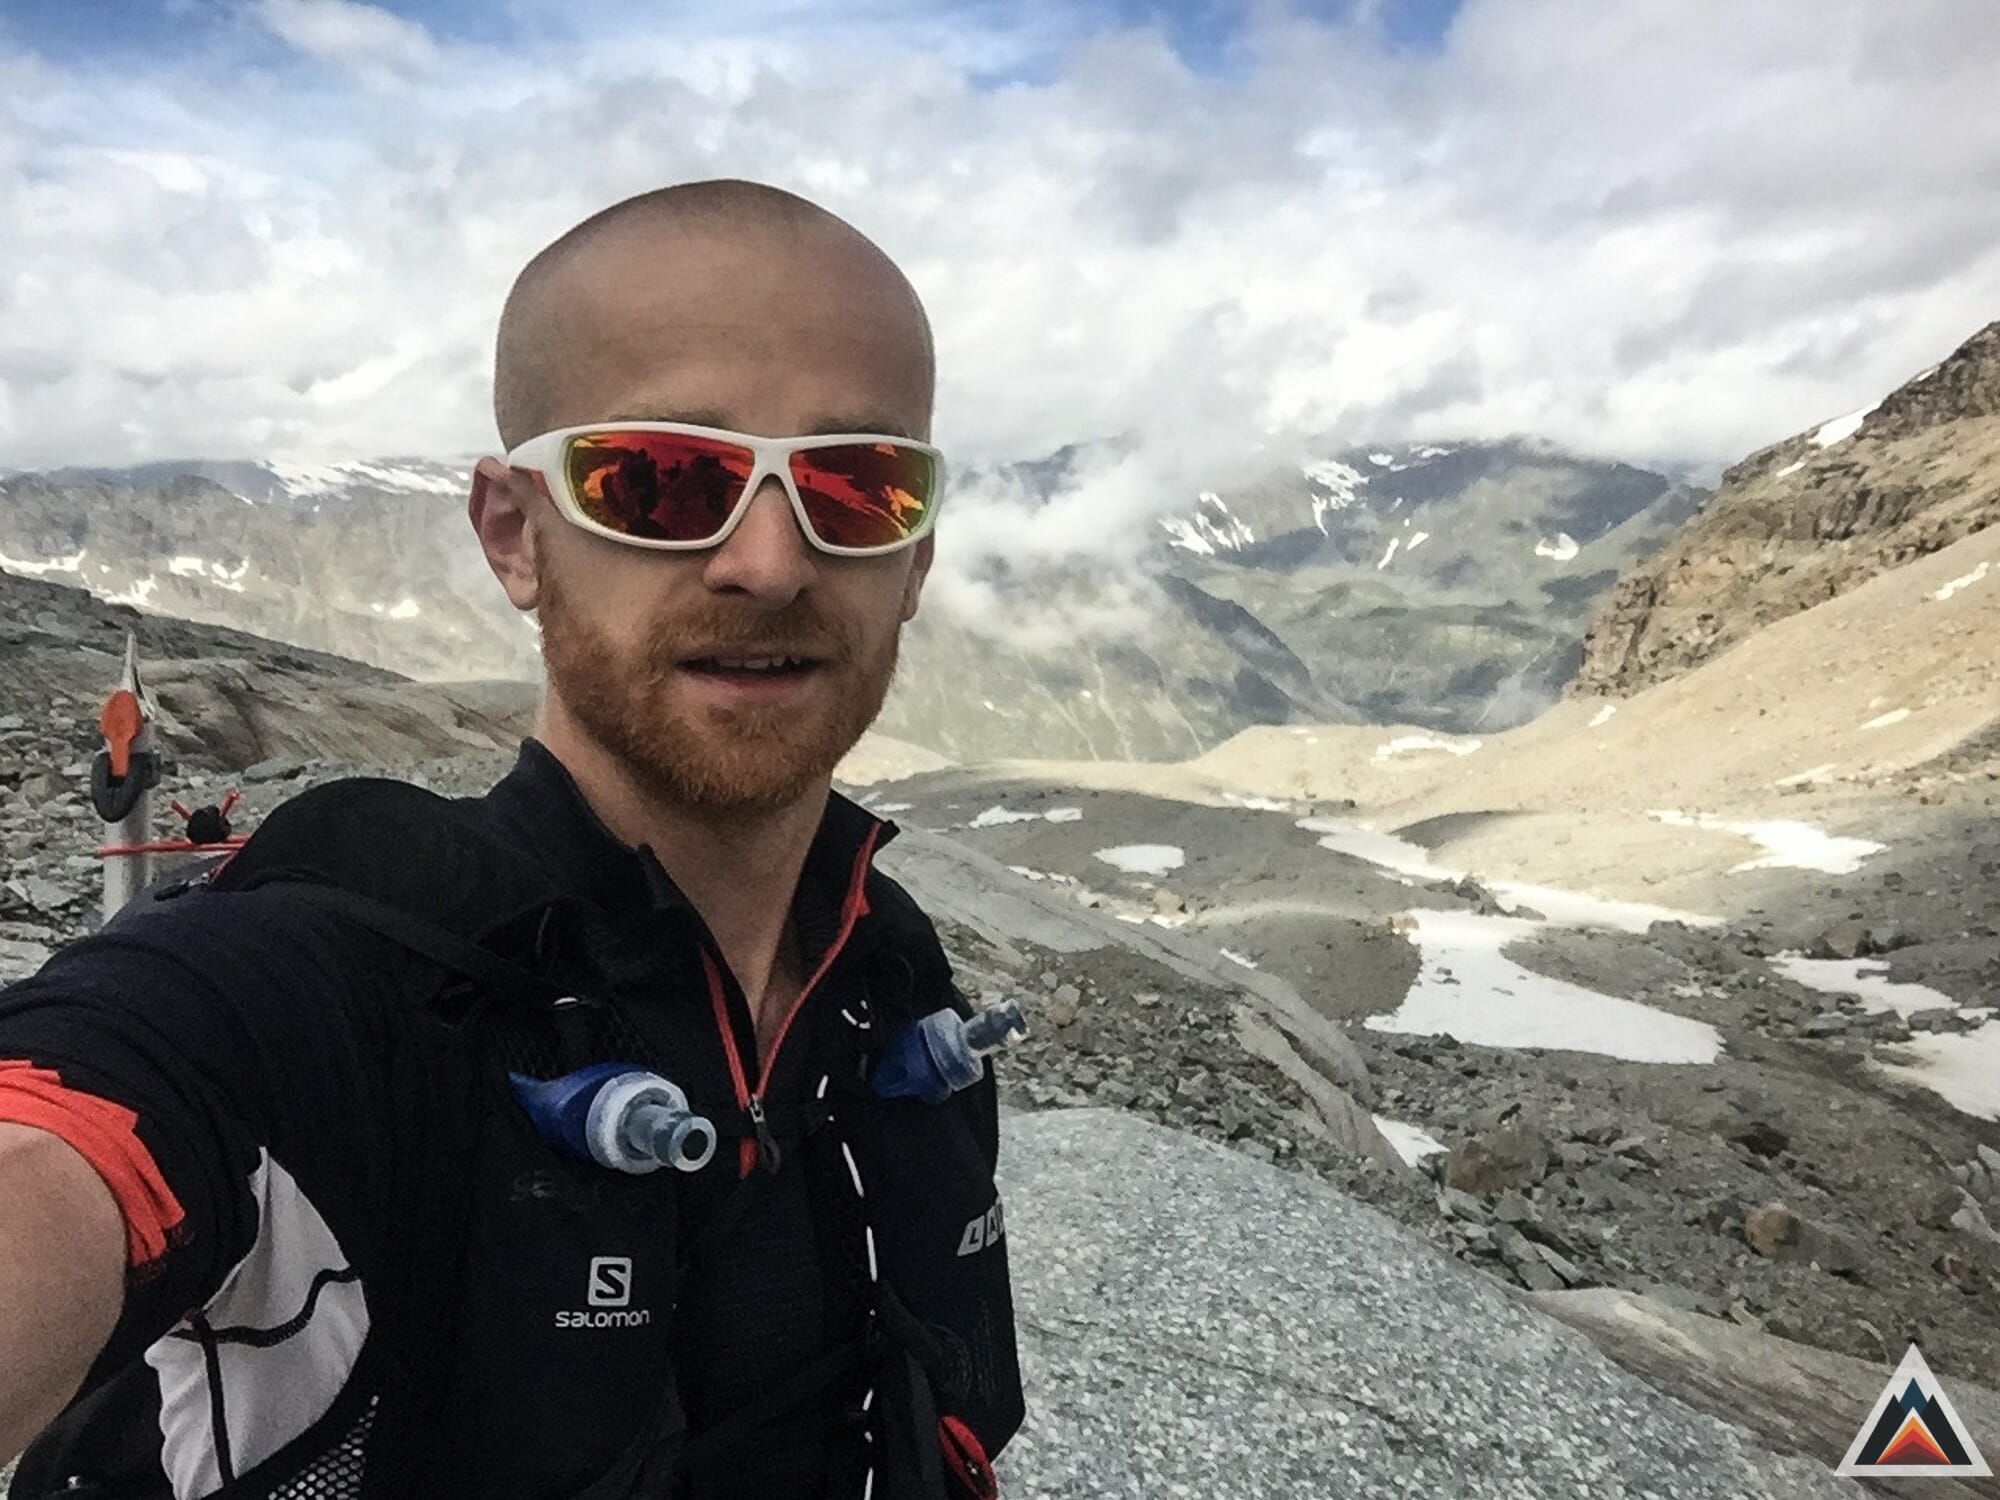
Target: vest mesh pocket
[{"x": 335, "y": 1474}]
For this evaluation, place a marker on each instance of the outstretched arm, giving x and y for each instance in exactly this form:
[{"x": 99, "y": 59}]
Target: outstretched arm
[{"x": 62, "y": 1278}]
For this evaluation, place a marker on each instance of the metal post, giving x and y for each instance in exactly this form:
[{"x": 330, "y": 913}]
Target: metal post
[{"x": 122, "y": 777}]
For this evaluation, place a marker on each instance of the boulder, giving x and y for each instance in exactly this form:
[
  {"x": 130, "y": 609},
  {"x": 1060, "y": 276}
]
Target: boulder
[
  {"x": 1513, "y": 1155},
  {"x": 1843, "y": 940},
  {"x": 1775, "y": 1232},
  {"x": 1196, "y": 1323},
  {"x": 1758, "y": 1136},
  {"x": 1796, "y": 1398}
]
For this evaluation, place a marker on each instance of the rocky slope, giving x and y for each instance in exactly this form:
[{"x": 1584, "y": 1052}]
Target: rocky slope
[
  {"x": 1447, "y": 585},
  {"x": 1195, "y": 1324},
  {"x": 227, "y": 700},
  {"x": 1811, "y": 518},
  {"x": 1736, "y": 1167}
]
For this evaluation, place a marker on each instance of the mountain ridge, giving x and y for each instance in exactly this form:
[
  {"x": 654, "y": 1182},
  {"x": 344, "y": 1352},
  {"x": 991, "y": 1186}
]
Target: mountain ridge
[
  {"x": 1808, "y": 518},
  {"x": 1445, "y": 584}
]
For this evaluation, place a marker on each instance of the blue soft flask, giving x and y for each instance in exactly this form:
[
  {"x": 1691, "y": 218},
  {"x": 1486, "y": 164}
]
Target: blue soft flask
[
  {"x": 618, "y": 1115},
  {"x": 933, "y": 1058}
]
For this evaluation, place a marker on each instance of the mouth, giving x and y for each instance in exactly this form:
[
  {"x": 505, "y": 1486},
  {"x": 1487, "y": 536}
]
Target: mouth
[{"x": 752, "y": 666}]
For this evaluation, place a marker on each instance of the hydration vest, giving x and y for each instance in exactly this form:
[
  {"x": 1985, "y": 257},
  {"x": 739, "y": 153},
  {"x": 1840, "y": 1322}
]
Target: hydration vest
[{"x": 458, "y": 1390}]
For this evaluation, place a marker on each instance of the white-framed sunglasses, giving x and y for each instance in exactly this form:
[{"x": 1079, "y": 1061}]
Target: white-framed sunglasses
[{"x": 678, "y": 487}]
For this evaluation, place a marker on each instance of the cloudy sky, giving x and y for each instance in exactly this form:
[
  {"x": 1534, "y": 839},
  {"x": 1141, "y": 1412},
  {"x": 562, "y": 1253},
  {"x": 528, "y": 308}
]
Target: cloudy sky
[{"x": 1657, "y": 229}]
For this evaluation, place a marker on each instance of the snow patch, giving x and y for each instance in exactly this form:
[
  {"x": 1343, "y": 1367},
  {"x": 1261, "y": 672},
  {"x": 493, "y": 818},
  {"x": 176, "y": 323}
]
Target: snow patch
[
  {"x": 1385, "y": 850},
  {"x": 1840, "y": 429},
  {"x": 892, "y": 807},
  {"x": 1962, "y": 1068},
  {"x": 1466, "y": 986},
  {"x": 1337, "y": 486},
  {"x": 1257, "y": 804},
  {"x": 1144, "y": 859},
  {"x": 71, "y": 564},
  {"x": 993, "y": 817},
  {"x": 1800, "y": 778},
  {"x": 137, "y": 594},
  {"x": 1236, "y": 958},
  {"x": 218, "y": 574},
  {"x": 302, "y": 481},
  {"x": 1792, "y": 845},
  {"x": 1028, "y": 874},
  {"x": 1382, "y": 460},
  {"x": 996, "y": 815},
  {"x": 1394, "y": 543},
  {"x": 1408, "y": 1141},
  {"x": 1603, "y": 716},
  {"x": 1863, "y": 978},
  {"x": 1791, "y": 468},
  {"x": 1965, "y": 581},
  {"x": 1409, "y": 744},
  {"x": 1204, "y": 534},
  {"x": 1883, "y": 721},
  {"x": 1416, "y": 541},
  {"x": 1562, "y": 549},
  {"x": 1575, "y": 909},
  {"x": 1400, "y": 858}
]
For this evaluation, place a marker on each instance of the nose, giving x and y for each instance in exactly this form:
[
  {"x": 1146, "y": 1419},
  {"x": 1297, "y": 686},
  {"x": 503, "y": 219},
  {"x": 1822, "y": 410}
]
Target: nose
[{"x": 767, "y": 556}]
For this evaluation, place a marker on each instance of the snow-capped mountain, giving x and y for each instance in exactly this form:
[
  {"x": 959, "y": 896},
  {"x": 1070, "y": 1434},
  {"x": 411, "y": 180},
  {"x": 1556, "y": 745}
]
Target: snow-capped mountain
[
  {"x": 1437, "y": 584},
  {"x": 1443, "y": 585},
  {"x": 367, "y": 560}
]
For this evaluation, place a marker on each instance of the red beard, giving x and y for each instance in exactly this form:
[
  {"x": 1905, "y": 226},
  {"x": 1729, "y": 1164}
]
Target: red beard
[{"x": 635, "y": 702}]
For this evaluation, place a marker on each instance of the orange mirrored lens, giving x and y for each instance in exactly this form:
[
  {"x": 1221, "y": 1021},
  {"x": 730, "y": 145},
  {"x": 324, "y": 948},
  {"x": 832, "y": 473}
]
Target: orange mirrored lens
[
  {"x": 662, "y": 486},
  {"x": 865, "y": 494}
]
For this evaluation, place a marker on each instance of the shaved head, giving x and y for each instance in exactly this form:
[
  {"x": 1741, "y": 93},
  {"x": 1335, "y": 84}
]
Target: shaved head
[
  {"x": 730, "y": 305},
  {"x": 694, "y": 242}
]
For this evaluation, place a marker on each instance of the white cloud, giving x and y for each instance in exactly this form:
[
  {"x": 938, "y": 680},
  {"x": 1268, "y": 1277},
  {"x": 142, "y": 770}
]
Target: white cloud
[
  {"x": 375, "y": 44},
  {"x": 1662, "y": 229}
]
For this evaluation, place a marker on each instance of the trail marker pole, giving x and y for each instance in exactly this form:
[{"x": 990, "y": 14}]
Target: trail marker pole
[{"x": 122, "y": 777}]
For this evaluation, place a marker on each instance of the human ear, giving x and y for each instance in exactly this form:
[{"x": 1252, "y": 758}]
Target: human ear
[
  {"x": 498, "y": 509},
  {"x": 913, "y": 581}
]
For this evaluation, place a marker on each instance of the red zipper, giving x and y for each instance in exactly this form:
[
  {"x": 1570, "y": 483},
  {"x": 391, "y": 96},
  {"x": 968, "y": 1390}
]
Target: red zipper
[{"x": 853, "y": 909}]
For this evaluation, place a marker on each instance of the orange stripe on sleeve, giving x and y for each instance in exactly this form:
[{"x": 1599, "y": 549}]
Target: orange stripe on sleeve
[{"x": 103, "y": 1134}]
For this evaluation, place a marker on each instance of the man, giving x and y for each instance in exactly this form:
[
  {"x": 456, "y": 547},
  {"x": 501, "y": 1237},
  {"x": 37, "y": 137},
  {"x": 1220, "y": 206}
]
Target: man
[{"x": 285, "y": 1206}]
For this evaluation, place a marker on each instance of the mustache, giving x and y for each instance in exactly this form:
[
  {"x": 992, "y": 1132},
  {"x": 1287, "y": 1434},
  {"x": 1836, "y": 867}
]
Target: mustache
[{"x": 800, "y": 629}]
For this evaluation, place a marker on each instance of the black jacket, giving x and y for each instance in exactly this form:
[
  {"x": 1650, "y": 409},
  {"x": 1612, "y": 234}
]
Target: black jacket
[{"x": 383, "y": 1282}]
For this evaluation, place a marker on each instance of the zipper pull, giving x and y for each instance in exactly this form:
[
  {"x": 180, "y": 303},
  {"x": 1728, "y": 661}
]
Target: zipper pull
[{"x": 767, "y": 1145}]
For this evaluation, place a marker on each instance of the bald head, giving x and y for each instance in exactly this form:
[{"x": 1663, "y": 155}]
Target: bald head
[{"x": 635, "y": 305}]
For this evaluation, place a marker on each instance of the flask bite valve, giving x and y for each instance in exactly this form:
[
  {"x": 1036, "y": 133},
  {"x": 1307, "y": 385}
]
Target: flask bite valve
[{"x": 618, "y": 1115}]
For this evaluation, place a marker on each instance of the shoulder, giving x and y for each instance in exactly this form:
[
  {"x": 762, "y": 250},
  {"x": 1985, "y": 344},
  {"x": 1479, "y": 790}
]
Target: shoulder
[
  {"x": 253, "y": 920},
  {"x": 369, "y": 833},
  {"x": 908, "y": 930},
  {"x": 890, "y": 904}
]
